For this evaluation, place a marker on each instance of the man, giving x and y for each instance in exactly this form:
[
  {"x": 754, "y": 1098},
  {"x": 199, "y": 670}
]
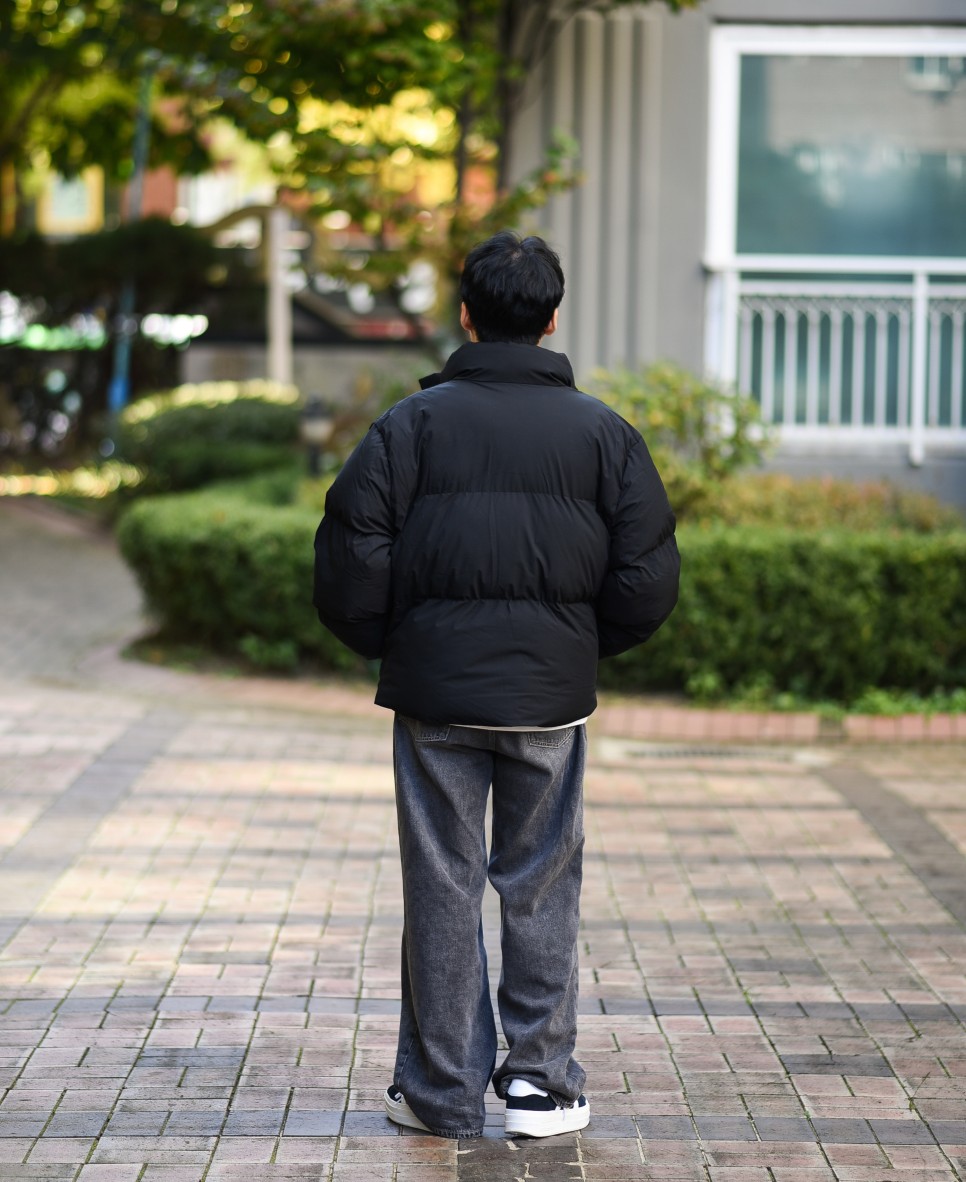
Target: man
[{"x": 489, "y": 539}]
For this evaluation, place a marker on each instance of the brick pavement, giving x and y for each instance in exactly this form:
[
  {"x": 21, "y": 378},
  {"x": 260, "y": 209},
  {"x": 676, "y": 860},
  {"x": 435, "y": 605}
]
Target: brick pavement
[{"x": 200, "y": 911}]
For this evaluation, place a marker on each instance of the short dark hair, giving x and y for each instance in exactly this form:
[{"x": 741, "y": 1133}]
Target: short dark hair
[{"x": 511, "y": 287}]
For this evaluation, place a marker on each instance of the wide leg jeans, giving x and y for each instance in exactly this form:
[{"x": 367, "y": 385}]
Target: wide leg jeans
[{"x": 447, "y": 1035}]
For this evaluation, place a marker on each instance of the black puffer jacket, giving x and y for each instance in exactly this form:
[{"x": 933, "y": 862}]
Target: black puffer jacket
[{"x": 492, "y": 536}]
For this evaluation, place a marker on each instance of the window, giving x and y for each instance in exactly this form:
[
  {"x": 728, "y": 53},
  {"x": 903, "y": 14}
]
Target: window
[
  {"x": 841, "y": 142},
  {"x": 836, "y": 234}
]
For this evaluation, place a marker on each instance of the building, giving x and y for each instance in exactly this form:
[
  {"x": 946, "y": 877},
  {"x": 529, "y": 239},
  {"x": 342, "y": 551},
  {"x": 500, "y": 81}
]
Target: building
[{"x": 775, "y": 194}]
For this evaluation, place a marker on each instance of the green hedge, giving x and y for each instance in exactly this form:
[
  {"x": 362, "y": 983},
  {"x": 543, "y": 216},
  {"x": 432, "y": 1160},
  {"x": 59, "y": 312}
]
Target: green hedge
[
  {"x": 228, "y": 572},
  {"x": 777, "y": 500},
  {"x": 818, "y": 614},
  {"x": 196, "y": 435}
]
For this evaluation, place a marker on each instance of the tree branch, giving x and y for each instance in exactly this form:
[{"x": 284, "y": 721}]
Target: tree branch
[{"x": 46, "y": 89}]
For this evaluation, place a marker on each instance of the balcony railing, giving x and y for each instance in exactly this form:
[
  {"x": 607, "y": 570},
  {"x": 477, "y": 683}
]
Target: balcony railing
[{"x": 846, "y": 350}]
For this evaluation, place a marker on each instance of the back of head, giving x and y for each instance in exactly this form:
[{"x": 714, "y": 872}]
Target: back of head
[{"x": 511, "y": 287}]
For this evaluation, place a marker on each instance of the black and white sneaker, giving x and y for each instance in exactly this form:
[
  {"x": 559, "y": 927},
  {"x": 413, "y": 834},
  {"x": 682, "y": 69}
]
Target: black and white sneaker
[
  {"x": 399, "y": 1111},
  {"x": 542, "y": 1116}
]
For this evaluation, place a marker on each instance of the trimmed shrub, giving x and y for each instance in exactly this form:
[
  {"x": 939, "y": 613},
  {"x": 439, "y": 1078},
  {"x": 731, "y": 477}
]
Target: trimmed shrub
[
  {"x": 196, "y": 435},
  {"x": 698, "y": 432},
  {"x": 775, "y": 499},
  {"x": 819, "y": 615},
  {"x": 231, "y": 573}
]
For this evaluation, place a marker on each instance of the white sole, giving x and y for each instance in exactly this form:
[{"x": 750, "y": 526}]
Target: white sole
[
  {"x": 522, "y": 1123},
  {"x": 400, "y": 1113}
]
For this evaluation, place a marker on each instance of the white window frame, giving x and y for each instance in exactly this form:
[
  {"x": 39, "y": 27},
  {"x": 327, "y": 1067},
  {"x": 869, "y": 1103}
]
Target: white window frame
[
  {"x": 725, "y": 265},
  {"x": 728, "y": 44}
]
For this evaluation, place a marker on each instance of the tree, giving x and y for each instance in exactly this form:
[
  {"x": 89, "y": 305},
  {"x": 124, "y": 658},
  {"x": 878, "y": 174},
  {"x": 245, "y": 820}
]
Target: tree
[
  {"x": 324, "y": 84},
  {"x": 70, "y": 72},
  {"x": 486, "y": 51},
  {"x": 353, "y": 98},
  {"x": 68, "y": 297}
]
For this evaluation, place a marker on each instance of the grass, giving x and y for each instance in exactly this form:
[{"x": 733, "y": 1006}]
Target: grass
[{"x": 889, "y": 703}]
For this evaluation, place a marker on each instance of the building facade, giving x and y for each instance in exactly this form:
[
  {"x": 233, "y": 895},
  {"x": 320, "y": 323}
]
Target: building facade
[{"x": 774, "y": 194}]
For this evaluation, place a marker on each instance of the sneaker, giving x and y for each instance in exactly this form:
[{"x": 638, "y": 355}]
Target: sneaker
[
  {"x": 542, "y": 1116},
  {"x": 399, "y": 1111}
]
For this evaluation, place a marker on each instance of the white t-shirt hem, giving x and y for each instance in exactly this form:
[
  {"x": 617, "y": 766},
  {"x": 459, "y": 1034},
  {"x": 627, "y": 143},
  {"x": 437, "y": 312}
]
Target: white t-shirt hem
[{"x": 523, "y": 729}]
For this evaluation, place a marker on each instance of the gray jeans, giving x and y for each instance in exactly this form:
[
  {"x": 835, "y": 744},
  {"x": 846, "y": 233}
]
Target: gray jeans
[{"x": 447, "y": 1035}]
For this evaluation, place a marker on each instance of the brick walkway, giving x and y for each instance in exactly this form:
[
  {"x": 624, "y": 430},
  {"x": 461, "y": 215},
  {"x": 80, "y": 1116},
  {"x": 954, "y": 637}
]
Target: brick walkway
[{"x": 200, "y": 913}]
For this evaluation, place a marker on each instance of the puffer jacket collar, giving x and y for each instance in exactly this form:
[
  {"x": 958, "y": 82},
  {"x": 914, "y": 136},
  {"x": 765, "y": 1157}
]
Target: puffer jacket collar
[{"x": 498, "y": 361}]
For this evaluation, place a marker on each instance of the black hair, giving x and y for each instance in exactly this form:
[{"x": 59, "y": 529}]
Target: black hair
[{"x": 511, "y": 287}]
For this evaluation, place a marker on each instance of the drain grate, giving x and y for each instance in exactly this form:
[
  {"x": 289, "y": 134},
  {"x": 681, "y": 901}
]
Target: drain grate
[
  {"x": 630, "y": 751},
  {"x": 695, "y": 752}
]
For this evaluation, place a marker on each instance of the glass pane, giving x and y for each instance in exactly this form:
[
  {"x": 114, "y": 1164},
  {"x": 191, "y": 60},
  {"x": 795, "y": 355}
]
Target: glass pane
[{"x": 852, "y": 155}]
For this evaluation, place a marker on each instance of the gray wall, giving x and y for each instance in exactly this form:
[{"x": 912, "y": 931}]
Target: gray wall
[
  {"x": 943, "y": 475},
  {"x": 843, "y": 12},
  {"x": 632, "y": 88},
  {"x": 329, "y": 371}
]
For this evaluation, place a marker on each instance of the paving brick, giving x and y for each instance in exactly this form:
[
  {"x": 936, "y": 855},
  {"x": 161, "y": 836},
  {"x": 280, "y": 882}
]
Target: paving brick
[
  {"x": 233, "y": 1172},
  {"x": 21, "y": 1127},
  {"x": 104, "y": 1173},
  {"x": 354, "y": 1172},
  {"x": 666, "y": 1128},
  {"x": 42, "y": 1172},
  {"x": 949, "y": 1132},
  {"x": 175, "y": 1151},
  {"x": 902, "y": 1132},
  {"x": 610, "y": 1127},
  {"x": 783, "y": 1128},
  {"x": 369, "y": 1124},
  {"x": 250, "y": 1149},
  {"x": 75, "y": 1123},
  {"x": 199, "y": 930},
  {"x": 425, "y": 1173},
  {"x": 306, "y": 1149},
  {"x": 169, "y": 1174},
  {"x": 608, "y": 1151},
  {"x": 135, "y": 1124},
  {"x": 14, "y": 1149},
  {"x": 253, "y": 1123},
  {"x": 724, "y": 1128},
  {"x": 835, "y": 1131},
  {"x": 60, "y": 1149}
]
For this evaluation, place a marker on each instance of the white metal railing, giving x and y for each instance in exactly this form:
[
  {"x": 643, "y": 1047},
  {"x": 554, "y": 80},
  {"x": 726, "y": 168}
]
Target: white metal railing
[{"x": 877, "y": 352}]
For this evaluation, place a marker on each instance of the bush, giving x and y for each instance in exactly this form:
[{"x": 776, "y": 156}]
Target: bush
[
  {"x": 702, "y": 436},
  {"x": 778, "y": 500},
  {"x": 817, "y": 615},
  {"x": 196, "y": 435},
  {"x": 69, "y": 292},
  {"x": 762, "y": 610},
  {"x": 234, "y": 574},
  {"x": 699, "y": 433}
]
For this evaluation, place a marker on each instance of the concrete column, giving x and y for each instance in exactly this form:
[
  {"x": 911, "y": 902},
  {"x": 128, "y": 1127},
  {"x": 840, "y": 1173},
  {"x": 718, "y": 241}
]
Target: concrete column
[{"x": 279, "y": 299}]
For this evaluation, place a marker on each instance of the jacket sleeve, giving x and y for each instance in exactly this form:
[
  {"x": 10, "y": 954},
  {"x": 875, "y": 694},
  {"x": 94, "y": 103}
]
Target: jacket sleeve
[
  {"x": 641, "y": 586},
  {"x": 352, "y": 550}
]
